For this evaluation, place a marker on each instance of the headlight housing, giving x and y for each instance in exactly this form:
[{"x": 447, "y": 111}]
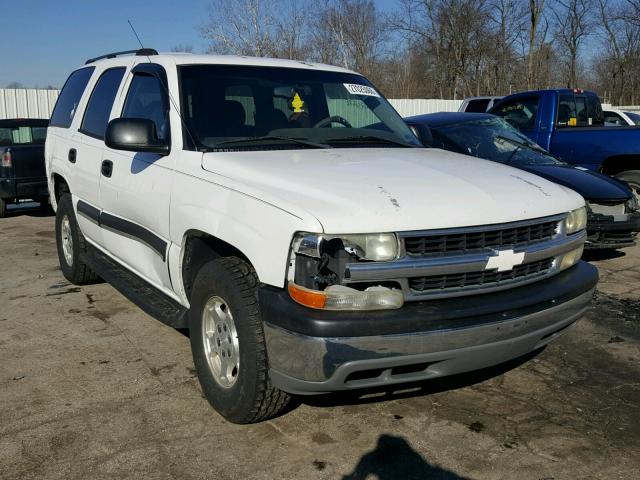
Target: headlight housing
[
  {"x": 576, "y": 221},
  {"x": 317, "y": 271},
  {"x": 376, "y": 247},
  {"x": 632, "y": 204}
]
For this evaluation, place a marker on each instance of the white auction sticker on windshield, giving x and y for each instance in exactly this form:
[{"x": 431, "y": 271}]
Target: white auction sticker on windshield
[{"x": 355, "y": 89}]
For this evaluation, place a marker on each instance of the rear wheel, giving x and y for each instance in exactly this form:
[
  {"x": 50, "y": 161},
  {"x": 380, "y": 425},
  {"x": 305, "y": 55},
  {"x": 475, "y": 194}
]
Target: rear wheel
[
  {"x": 71, "y": 245},
  {"x": 3, "y": 208},
  {"x": 228, "y": 345},
  {"x": 632, "y": 177}
]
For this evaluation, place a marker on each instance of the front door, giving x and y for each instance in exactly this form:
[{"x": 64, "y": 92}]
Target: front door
[{"x": 135, "y": 187}]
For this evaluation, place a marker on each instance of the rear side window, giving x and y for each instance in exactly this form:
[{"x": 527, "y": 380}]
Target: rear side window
[
  {"x": 98, "y": 109},
  {"x": 22, "y": 135},
  {"x": 579, "y": 110},
  {"x": 477, "y": 106},
  {"x": 69, "y": 98},
  {"x": 145, "y": 99},
  {"x": 520, "y": 113}
]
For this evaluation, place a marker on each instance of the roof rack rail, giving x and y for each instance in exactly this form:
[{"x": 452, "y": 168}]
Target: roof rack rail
[{"x": 139, "y": 52}]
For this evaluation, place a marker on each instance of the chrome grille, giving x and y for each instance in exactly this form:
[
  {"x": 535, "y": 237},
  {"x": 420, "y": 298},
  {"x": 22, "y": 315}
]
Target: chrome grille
[
  {"x": 466, "y": 242},
  {"x": 484, "y": 278}
]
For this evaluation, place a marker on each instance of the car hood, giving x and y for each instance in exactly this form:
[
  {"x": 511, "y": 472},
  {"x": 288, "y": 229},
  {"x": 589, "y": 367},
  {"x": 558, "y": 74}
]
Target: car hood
[
  {"x": 363, "y": 190},
  {"x": 591, "y": 185}
]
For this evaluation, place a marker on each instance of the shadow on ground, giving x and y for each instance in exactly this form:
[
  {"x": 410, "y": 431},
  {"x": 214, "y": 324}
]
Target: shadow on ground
[
  {"x": 604, "y": 254},
  {"x": 393, "y": 458}
]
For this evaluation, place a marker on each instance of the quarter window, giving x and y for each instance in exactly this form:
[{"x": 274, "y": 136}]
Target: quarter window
[
  {"x": 98, "y": 109},
  {"x": 146, "y": 100},
  {"x": 69, "y": 98}
]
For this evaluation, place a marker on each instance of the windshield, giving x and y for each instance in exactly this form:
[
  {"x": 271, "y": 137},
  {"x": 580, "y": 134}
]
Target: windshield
[
  {"x": 493, "y": 139},
  {"x": 635, "y": 118},
  {"x": 238, "y": 107}
]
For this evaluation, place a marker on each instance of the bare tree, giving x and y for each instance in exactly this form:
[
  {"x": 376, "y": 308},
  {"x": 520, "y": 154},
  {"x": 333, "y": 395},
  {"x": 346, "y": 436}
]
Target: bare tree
[
  {"x": 14, "y": 85},
  {"x": 536, "y": 10},
  {"x": 241, "y": 27},
  {"x": 186, "y": 48},
  {"x": 573, "y": 24}
]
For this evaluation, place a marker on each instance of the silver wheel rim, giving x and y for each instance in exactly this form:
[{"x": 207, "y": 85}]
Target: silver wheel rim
[
  {"x": 67, "y": 240},
  {"x": 220, "y": 339}
]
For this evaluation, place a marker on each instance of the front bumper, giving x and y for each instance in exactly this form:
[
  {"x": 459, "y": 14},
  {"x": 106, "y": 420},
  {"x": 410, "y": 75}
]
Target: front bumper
[
  {"x": 313, "y": 351},
  {"x": 612, "y": 231},
  {"x": 12, "y": 188}
]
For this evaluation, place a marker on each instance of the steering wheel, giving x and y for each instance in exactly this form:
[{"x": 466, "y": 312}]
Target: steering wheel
[{"x": 333, "y": 119}]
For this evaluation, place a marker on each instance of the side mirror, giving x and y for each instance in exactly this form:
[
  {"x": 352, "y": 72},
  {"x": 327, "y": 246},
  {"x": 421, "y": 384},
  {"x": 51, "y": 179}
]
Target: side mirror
[
  {"x": 134, "y": 135},
  {"x": 423, "y": 133}
]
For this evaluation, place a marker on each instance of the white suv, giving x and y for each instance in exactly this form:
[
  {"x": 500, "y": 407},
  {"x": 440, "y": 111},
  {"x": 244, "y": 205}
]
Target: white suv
[{"x": 286, "y": 215}]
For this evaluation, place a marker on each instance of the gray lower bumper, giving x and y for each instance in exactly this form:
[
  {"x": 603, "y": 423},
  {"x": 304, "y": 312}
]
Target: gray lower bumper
[{"x": 302, "y": 364}]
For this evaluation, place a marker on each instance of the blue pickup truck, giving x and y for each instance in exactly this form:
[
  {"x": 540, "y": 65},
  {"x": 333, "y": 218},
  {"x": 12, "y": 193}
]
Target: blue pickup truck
[{"x": 569, "y": 123}]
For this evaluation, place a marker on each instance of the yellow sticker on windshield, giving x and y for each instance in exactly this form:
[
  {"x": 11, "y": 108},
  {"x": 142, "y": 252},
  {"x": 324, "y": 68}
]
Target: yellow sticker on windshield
[
  {"x": 297, "y": 104},
  {"x": 573, "y": 121}
]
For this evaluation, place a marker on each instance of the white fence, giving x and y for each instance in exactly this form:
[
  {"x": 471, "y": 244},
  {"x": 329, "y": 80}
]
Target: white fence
[
  {"x": 409, "y": 107},
  {"x": 38, "y": 103},
  {"x": 27, "y": 102}
]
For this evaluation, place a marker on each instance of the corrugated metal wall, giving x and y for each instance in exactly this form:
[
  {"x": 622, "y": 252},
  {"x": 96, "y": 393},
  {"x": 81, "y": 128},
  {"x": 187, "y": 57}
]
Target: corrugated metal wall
[
  {"x": 408, "y": 107},
  {"x": 27, "y": 102},
  {"x": 38, "y": 103}
]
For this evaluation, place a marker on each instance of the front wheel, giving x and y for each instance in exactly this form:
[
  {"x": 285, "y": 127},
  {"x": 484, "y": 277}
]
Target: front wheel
[
  {"x": 632, "y": 177},
  {"x": 228, "y": 345}
]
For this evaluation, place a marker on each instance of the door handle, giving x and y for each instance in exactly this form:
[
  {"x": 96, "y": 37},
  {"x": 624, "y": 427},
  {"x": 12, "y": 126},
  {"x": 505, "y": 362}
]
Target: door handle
[
  {"x": 72, "y": 155},
  {"x": 107, "y": 168}
]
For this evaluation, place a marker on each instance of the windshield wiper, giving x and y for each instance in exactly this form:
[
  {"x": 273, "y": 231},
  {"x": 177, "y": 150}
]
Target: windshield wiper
[
  {"x": 370, "y": 138},
  {"x": 529, "y": 145},
  {"x": 248, "y": 140}
]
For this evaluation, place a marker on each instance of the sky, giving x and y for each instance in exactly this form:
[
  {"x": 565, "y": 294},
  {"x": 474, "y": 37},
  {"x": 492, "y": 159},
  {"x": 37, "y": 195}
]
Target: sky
[{"x": 44, "y": 40}]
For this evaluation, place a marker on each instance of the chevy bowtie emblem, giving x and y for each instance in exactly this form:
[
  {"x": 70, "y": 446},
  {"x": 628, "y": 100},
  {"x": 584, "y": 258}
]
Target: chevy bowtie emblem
[{"x": 504, "y": 260}]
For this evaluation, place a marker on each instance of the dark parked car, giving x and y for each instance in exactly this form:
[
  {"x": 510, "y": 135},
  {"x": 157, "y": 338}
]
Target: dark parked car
[
  {"x": 614, "y": 219},
  {"x": 22, "y": 171}
]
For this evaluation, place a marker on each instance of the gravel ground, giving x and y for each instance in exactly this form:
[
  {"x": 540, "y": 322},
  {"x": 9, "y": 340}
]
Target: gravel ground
[{"x": 91, "y": 387}]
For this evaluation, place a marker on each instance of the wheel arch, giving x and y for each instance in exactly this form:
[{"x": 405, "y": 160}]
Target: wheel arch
[
  {"x": 199, "y": 247},
  {"x": 617, "y": 164}
]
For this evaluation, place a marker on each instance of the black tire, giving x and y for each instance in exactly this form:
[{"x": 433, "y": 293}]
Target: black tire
[
  {"x": 3, "y": 208},
  {"x": 76, "y": 271},
  {"x": 632, "y": 177},
  {"x": 252, "y": 398}
]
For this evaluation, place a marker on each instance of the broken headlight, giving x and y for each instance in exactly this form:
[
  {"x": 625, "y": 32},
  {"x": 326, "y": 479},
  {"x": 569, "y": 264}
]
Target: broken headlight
[
  {"x": 632, "y": 204},
  {"x": 317, "y": 271}
]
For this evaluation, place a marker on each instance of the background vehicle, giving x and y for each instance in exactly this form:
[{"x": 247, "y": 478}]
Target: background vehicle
[
  {"x": 22, "y": 170},
  {"x": 613, "y": 216},
  {"x": 569, "y": 123},
  {"x": 286, "y": 214},
  {"x": 619, "y": 118},
  {"x": 478, "y": 104}
]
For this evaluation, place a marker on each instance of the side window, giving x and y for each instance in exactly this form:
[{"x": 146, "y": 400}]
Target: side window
[
  {"x": 595, "y": 110},
  {"x": 146, "y": 99},
  {"x": 99, "y": 106},
  {"x": 520, "y": 113},
  {"x": 567, "y": 111},
  {"x": 477, "y": 106},
  {"x": 69, "y": 98},
  {"x": 613, "y": 118}
]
